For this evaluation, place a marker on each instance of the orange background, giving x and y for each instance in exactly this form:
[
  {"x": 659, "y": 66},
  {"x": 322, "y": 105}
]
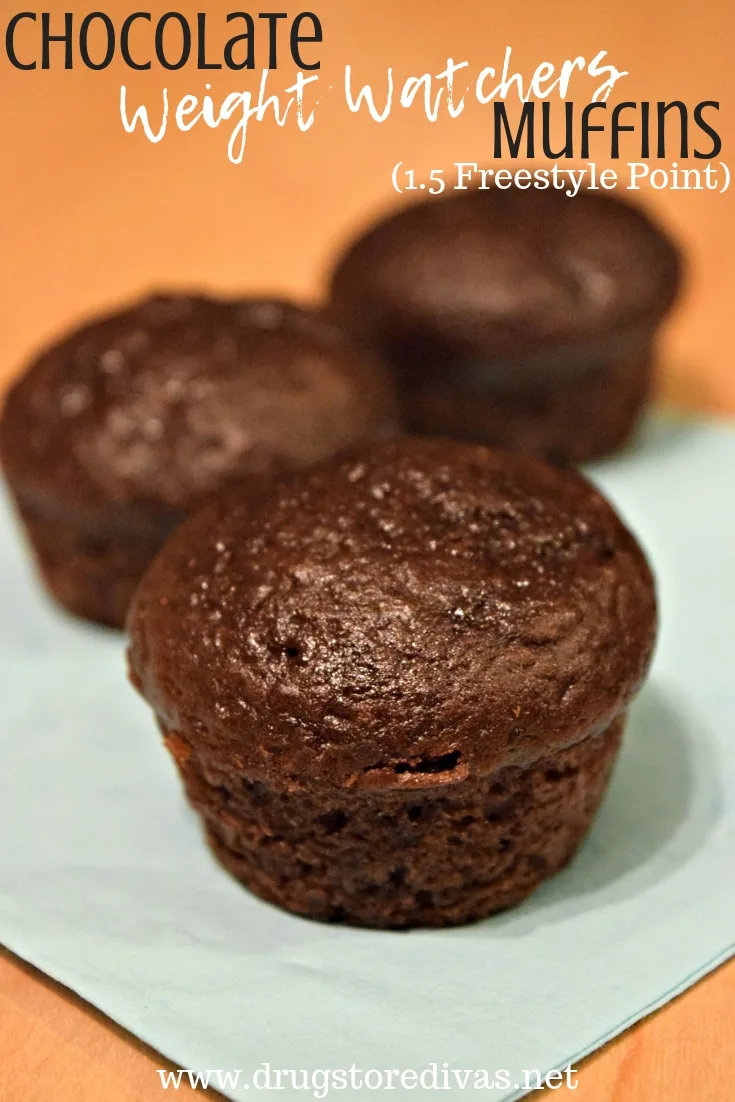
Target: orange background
[{"x": 91, "y": 215}]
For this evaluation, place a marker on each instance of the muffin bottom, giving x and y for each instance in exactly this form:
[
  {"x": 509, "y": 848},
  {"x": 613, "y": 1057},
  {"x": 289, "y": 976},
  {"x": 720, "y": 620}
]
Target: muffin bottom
[
  {"x": 582, "y": 415},
  {"x": 404, "y": 856},
  {"x": 92, "y": 570}
]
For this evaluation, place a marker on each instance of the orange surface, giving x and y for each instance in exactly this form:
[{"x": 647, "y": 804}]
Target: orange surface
[{"x": 91, "y": 215}]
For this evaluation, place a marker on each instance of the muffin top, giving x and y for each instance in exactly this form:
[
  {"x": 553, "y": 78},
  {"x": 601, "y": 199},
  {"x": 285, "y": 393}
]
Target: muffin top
[
  {"x": 505, "y": 273},
  {"x": 165, "y": 401},
  {"x": 423, "y": 612}
]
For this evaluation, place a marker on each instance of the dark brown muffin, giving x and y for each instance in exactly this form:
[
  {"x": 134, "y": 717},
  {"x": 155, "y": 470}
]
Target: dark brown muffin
[
  {"x": 113, "y": 435},
  {"x": 396, "y": 688},
  {"x": 523, "y": 319}
]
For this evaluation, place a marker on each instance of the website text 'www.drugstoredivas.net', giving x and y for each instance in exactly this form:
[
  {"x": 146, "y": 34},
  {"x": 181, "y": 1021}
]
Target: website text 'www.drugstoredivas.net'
[{"x": 320, "y": 1082}]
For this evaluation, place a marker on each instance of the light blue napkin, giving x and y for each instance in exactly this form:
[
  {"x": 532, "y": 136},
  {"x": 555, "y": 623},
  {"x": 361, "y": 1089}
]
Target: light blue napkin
[{"x": 106, "y": 884}]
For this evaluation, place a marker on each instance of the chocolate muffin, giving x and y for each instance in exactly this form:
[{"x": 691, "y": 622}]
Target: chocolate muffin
[
  {"x": 522, "y": 319},
  {"x": 113, "y": 435},
  {"x": 396, "y": 688}
]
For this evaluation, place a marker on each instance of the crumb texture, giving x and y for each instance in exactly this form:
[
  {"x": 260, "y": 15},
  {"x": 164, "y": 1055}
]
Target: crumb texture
[{"x": 434, "y": 857}]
